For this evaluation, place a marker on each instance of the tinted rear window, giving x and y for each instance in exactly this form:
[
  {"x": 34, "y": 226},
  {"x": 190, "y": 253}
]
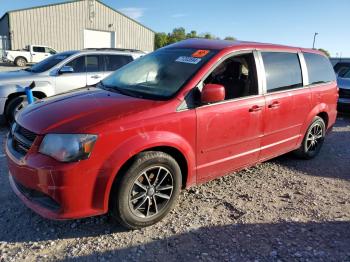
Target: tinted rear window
[
  {"x": 282, "y": 70},
  {"x": 319, "y": 69},
  {"x": 114, "y": 62}
]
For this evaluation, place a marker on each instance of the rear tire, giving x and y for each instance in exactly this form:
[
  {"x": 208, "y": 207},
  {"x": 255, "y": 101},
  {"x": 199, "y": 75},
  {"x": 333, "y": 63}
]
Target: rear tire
[
  {"x": 313, "y": 140},
  {"x": 147, "y": 191},
  {"x": 20, "y": 61},
  {"x": 14, "y": 106}
]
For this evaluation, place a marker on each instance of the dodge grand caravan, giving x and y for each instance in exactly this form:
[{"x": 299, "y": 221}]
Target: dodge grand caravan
[{"x": 182, "y": 115}]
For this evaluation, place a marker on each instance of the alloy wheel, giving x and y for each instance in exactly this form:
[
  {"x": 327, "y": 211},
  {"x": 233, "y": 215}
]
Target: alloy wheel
[
  {"x": 151, "y": 191},
  {"x": 314, "y": 138}
]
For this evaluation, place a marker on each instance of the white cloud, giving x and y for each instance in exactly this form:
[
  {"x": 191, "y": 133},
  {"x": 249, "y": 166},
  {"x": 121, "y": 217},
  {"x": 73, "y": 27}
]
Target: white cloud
[
  {"x": 178, "y": 15},
  {"x": 133, "y": 12}
]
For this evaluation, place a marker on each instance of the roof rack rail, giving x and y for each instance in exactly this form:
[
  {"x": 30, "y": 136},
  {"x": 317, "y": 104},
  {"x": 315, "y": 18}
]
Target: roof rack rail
[{"x": 113, "y": 49}]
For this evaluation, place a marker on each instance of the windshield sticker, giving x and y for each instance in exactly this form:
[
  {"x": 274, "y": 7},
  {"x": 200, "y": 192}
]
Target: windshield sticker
[
  {"x": 200, "y": 53},
  {"x": 188, "y": 60}
]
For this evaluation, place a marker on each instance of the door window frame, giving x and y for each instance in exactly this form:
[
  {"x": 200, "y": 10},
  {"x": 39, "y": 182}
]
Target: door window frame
[
  {"x": 72, "y": 59},
  {"x": 100, "y": 59},
  {"x": 303, "y": 69},
  {"x": 200, "y": 85}
]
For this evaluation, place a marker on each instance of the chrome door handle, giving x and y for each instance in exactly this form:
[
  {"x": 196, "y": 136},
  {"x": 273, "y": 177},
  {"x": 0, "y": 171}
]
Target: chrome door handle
[{"x": 96, "y": 77}]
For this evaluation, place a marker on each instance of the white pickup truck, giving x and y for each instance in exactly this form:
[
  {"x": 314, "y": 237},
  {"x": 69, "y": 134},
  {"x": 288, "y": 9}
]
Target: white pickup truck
[{"x": 30, "y": 55}]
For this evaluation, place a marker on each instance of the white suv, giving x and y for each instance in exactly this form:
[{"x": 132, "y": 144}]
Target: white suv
[{"x": 60, "y": 73}]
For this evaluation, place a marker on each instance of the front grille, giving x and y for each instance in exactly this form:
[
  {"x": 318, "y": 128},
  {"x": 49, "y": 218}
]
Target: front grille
[
  {"x": 22, "y": 139},
  {"x": 344, "y": 93},
  {"x": 38, "y": 197},
  {"x": 26, "y": 133}
]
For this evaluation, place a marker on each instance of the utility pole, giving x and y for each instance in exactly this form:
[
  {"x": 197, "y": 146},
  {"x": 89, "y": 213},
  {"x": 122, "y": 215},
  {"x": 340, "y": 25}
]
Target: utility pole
[{"x": 313, "y": 45}]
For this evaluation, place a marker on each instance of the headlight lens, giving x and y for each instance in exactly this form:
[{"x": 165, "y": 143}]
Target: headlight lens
[{"x": 68, "y": 147}]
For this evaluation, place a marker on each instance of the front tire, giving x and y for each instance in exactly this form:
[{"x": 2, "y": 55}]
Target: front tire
[
  {"x": 313, "y": 140},
  {"x": 14, "y": 106},
  {"x": 147, "y": 191}
]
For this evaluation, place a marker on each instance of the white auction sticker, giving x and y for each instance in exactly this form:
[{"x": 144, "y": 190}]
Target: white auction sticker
[{"x": 188, "y": 60}]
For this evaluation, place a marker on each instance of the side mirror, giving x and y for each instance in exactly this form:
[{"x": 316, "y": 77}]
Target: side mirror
[
  {"x": 212, "y": 93},
  {"x": 66, "y": 70}
]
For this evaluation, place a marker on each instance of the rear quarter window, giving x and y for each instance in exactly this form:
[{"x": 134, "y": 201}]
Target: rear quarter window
[{"x": 319, "y": 69}]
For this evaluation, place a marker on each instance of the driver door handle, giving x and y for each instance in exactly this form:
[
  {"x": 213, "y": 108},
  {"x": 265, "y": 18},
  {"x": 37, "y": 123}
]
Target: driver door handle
[
  {"x": 275, "y": 104},
  {"x": 255, "y": 108}
]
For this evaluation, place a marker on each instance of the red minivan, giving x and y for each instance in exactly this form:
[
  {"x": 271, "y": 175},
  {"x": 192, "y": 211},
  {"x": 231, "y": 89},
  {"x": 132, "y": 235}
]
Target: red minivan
[{"x": 182, "y": 115}]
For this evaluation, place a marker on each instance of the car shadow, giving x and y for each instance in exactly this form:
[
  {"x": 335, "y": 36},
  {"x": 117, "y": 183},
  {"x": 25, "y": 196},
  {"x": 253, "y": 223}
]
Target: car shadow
[
  {"x": 333, "y": 159},
  {"x": 325, "y": 241},
  {"x": 8, "y": 65}
]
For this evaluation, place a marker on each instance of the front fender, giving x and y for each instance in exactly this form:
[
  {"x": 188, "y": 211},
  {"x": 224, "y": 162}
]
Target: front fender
[
  {"x": 45, "y": 87},
  {"x": 132, "y": 147}
]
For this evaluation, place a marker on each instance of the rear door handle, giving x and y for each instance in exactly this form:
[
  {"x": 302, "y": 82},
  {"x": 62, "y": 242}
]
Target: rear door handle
[
  {"x": 274, "y": 104},
  {"x": 96, "y": 77},
  {"x": 255, "y": 108}
]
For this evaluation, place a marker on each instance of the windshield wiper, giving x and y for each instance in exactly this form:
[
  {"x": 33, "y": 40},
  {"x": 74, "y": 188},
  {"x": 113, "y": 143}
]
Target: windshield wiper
[{"x": 119, "y": 90}]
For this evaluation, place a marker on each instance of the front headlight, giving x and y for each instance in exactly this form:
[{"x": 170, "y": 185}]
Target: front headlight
[{"x": 68, "y": 147}]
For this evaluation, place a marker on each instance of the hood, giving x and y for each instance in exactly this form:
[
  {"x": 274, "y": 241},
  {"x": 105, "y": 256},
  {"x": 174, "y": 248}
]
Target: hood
[
  {"x": 15, "y": 76},
  {"x": 79, "y": 111},
  {"x": 343, "y": 83}
]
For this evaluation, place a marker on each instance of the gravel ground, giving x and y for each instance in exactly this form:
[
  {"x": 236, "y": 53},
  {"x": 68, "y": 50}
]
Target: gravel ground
[{"x": 282, "y": 210}]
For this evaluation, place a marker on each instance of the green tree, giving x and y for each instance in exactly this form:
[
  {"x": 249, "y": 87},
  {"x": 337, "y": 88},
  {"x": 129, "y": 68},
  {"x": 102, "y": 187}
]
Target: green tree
[
  {"x": 325, "y": 52},
  {"x": 161, "y": 39},
  {"x": 178, "y": 34},
  {"x": 230, "y": 38},
  {"x": 192, "y": 34},
  {"x": 208, "y": 36}
]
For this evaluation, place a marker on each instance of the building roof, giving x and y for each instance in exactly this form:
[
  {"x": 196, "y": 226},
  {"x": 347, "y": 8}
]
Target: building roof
[
  {"x": 202, "y": 43},
  {"x": 72, "y": 1}
]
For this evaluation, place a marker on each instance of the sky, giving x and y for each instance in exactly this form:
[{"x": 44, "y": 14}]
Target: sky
[{"x": 289, "y": 22}]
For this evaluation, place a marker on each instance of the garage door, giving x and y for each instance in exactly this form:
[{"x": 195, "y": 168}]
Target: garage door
[{"x": 98, "y": 39}]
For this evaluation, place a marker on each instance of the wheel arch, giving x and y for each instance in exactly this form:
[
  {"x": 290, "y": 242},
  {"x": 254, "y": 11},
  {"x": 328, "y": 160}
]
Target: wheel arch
[
  {"x": 175, "y": 146},
  {"x": 320, "y": 110},
  {"x": 325, "y": 117},
  {"x": 37, "y": 94},
  {"x": 20, "y": 56}
]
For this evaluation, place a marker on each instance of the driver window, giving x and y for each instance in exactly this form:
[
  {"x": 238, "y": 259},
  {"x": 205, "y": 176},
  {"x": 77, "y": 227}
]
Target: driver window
[
  {"x": 238, "y": 76},
  {"x": 78, "y": 64}
]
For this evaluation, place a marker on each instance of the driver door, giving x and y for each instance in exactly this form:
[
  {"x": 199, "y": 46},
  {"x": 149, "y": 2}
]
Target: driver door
[
  {"x": 74, "y": 80},
  {"x": 38, "y": 54},
  {"x": 229, "y": 132}
]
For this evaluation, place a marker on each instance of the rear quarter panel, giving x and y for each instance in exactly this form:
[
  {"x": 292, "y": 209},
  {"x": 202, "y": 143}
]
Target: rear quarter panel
[{"x": 324, "y": 99}]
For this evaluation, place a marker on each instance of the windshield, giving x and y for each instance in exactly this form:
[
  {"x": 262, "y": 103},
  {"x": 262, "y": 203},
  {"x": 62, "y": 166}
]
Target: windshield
[
  {"x": 160, "y": 74},
  {"x": 48, "y": 63}
]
